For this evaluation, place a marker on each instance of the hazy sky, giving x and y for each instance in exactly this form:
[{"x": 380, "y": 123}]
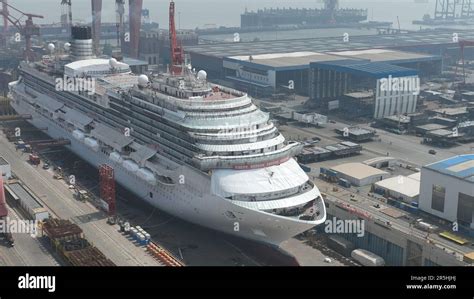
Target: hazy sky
[{"x": 199, "y": 13}]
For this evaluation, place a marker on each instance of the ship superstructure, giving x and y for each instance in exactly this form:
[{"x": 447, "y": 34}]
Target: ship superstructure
[{"x": 199, "y": 151}]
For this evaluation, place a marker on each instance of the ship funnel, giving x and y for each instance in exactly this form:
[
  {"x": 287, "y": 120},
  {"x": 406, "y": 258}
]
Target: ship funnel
[{"x": 82, "y": 45}]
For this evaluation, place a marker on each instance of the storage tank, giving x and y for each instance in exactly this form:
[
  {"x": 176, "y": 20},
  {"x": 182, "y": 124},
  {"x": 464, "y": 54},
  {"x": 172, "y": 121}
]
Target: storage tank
[
  {"x": 130, "y": 165},
  {"x": 367, "y": 258},
  {"x": 147, "y": 176},
  {"x": 78, "y": 134},
  {"x": 92, "y": 143},
  {"x": 116, "y": 157}
]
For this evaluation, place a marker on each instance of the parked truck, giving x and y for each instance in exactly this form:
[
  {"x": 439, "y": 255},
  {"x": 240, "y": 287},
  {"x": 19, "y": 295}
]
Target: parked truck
[
  {"x": 310, "y": 118},
  {"x": 420, "y": 224},
  {"x": 367, "y": 258},
  {"x": 34, "y": 159}
]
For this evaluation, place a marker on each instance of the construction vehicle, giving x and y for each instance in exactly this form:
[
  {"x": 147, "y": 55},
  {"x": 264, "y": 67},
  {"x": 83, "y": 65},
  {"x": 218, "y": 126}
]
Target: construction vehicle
[
  {"x": 81, "y": 195},
  {"x": 58, "y": 175},
  {"x": 20, "y": 144},
  {"x": 112, "y": 220},
  {"x": 8, "y": 237},
  {"x": 34, "y": 159}
]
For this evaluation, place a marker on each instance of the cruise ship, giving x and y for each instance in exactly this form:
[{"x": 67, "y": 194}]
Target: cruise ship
[{"x": 198, "y": 151}]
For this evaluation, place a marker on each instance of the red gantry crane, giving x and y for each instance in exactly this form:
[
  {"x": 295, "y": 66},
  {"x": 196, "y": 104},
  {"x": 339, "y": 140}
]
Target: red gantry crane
[
  {"x": 27, "y": 30},
  {"x": 177, "y": 53}
]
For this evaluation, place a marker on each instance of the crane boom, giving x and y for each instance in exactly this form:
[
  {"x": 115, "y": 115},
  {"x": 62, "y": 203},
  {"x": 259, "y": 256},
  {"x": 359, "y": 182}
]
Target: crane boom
[
  {"x": 28, "y": 30},
  {"x": 176, "y": 55},
  {"x": 120, "y": 9}
]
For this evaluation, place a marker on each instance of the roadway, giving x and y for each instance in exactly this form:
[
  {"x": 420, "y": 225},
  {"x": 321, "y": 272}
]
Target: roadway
[
  {"x": 58, "y": 199},
  {"x": 367, "y": 204},
  {"x": 195, "y": 245}
]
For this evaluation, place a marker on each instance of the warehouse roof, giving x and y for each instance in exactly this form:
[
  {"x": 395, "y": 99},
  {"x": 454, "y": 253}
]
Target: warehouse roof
[
  {"x": 358, "y": 170},
  {"x": 383, "y": 55},
  {"x": 367, "y": 69},
  {"x": 25, "y": 196},
  {"x": 459, "y": 166},
  {"x": 415, "y": 176},
  {"x": 455, "y": 111},
  {"x": 407, "y": 186},
  {"x": 284, "y": 60},
  {"x": 443, "y": 133},
  {"x": 431, "y": 127},
  {"x": 326, "y": 44}
]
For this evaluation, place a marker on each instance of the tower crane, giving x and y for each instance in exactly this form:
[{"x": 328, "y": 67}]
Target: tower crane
[
  {"x": 331, "y": 6},
  {"x": 27, "y": 30},
  {"x": 177, "y": 53},
  {"x": 69, "y": 10},
  {"x": 120, "y": 9}
]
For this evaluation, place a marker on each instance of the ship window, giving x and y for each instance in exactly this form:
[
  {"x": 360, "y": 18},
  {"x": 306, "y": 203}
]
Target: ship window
[{"x": 151, "y": 194}]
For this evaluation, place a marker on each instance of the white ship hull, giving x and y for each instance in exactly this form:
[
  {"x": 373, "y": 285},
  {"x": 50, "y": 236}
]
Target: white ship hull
[{"x": 191, "y": 201}]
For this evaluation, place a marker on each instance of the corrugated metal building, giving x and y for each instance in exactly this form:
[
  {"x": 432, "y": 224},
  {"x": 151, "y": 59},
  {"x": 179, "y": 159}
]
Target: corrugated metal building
[
  {"x": 394, "y": 88},
  {"x": 359, "y": 174},
  {"x": 447, "y": 189}
]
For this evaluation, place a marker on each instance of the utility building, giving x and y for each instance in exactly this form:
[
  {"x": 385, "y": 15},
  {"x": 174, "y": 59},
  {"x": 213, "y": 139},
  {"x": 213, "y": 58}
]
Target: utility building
[{"x": 447, "y": 189}]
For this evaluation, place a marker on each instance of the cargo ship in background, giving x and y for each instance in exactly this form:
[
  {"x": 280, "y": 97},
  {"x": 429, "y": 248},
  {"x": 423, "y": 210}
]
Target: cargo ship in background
[
  {"x": 329, "y": 15},
  {"x": 196, "y": 150}
]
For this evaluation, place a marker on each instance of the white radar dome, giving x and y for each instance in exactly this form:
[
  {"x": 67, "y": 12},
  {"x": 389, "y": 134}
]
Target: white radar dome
[
  {"x": 143, "y": 80},
  {"x": 51, "y": 47},
  {"x": 67, "y": 46},
  {"x": 202, "y": 75},
  {"x": 113, "y": 62}
]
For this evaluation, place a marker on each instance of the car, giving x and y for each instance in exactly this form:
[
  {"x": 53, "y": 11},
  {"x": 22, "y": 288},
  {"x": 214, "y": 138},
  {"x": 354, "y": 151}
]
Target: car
[
  {"x": 45, "y": 166},
  {"x": 432, "y": 152}
]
